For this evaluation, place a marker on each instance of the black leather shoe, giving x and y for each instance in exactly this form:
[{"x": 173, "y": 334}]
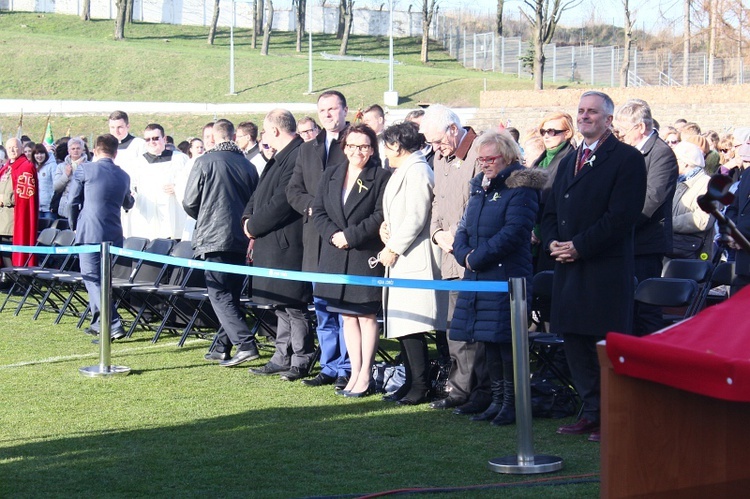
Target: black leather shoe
[
  {"x": 320, "y": 380},
  {"x": 240, "y": 357},
  {"x": 293, "y": 374},
  {"x": 471, "y": 407},
  {"x": 341, "y": 383},
  {"x": 91, "y": 331},
  {"x": 117, "y": 333},
  {"x": 268, "y": 369},
  {"x": 217, "y": 356},
  {"x": 446, "y": 403},
  {"x": 409, "y": 401},
  {"x": 392, "y": 397}
]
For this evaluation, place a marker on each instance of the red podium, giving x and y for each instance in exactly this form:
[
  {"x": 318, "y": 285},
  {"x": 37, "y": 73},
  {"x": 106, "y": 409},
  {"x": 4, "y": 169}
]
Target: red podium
[{"x": 676, "y": 408}]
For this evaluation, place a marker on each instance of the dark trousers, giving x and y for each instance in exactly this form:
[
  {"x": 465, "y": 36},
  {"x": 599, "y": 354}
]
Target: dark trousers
[
  {"x": 416, "y": 364},
  {"x": 90, "y": 264},
  {"x": 647, "y": 318},
  {"x": 224, "y": 293},
  {"x": 294, "y": 340},
  {"x": 583, "y": 362}
]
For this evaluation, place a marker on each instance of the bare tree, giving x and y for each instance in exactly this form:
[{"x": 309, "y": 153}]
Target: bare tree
[
  {"x": 712, "y": 22},
  {"x": 129, "y": 11},
  {"x": 428, "y": 12},
  {"x": 120, "y": 20},
  {"x": 342, "y": 20},
  {"x": 301, "y": 7},
  {"x": 686, "y": 43},
  {"x": 86, "y": 10},
  {"x": 258, "y": 8},
  {"x": 628, "y": 32},
  {"x": 543, "y": 24},
  {"x": 348, "y": 17},
  {"x": 267, "y": 28},
  {"x": 500, "y": 5},
  {"x": 214, "y": 23}
]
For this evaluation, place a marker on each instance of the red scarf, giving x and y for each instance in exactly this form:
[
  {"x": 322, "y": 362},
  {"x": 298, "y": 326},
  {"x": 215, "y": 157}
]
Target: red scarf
[{"x": 26, "y": 211}]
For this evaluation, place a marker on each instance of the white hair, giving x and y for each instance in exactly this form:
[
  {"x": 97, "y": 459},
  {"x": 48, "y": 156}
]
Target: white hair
[{"x": 437, "y": 116}]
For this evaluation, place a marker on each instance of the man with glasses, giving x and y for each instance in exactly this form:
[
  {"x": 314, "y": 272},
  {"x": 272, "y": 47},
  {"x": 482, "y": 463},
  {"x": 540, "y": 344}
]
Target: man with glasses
[
  {"x": 314, "y": 158},
  {"x": 634, "y": 126},
  {"x": 246, "y": 138},
  {"x": 455, "y": 164},
  {"x": 307, "y": 128},
  {"x": 158, "y": 209}
]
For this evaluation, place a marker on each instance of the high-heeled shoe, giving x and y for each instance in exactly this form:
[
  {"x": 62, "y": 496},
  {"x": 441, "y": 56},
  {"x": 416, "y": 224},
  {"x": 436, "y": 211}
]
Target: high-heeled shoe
[
  {"x": 368, "y": 391},
  {"x": 397, "y": 395},
  {"x": 341, "y": 392}
]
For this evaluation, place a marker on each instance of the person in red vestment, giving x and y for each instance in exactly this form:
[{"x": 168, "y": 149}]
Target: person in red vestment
[{"x": 26, "y": 211}]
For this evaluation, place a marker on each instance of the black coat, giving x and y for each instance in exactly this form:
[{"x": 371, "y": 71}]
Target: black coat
[
  {"x": 596, "y": 209},
  {"x": 739, "y": 213},
  {"x": 277, "y": 229},
  {"x": 309, "y": 168},
  {"x": 359, "y": 218},
  {"x": 653, "y": 231}
]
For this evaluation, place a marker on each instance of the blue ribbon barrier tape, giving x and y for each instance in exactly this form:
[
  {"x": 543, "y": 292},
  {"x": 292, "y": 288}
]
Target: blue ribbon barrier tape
[
  {"x": 294, "y": 275},
  {"x": 51, "y": 250}
]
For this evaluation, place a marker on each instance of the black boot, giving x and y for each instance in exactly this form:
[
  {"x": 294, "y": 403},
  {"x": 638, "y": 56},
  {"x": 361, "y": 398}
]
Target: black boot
[
  {"x": 497, "y": 402},
  {"x": 417, "y": 362},
  {"x": 507, "y": 414}
]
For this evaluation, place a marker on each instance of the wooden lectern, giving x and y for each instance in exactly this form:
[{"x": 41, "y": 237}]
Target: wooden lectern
[{"x": 659, "y": 441}]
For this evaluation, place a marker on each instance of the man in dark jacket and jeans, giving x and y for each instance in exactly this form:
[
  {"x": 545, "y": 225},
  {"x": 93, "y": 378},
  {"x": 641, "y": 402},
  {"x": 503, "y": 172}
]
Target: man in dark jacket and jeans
[{"x": 220, "y": 185}]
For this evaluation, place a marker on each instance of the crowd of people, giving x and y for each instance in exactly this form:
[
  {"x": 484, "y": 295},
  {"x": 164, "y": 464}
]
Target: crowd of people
[{"x": 602, "y": 202}]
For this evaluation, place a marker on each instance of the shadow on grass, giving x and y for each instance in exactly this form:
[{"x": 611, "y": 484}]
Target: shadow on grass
[{"x": 269, "y": 83}]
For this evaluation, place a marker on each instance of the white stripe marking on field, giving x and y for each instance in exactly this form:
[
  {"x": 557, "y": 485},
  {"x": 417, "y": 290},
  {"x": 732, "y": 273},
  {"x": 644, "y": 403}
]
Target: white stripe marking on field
[{"x": 65, "y": 358}]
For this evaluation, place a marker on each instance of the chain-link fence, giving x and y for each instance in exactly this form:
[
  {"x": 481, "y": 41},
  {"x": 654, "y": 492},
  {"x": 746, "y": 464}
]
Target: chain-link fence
[{"x": 596, "y": 66}]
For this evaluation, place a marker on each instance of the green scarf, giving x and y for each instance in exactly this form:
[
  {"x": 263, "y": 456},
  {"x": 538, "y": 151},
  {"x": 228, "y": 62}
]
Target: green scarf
[{"x": 551, "y": 153}]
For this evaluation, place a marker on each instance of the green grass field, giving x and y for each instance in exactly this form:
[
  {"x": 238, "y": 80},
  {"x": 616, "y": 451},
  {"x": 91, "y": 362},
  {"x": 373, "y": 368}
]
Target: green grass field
[
  {"x": 178, "y": 426},
  {"x": 49, "y": 56}
]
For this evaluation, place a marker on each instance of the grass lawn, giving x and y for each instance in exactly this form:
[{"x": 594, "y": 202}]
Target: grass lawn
[
  {"x": 180, "y": 427},
  {"x": 51, "y": 56}
]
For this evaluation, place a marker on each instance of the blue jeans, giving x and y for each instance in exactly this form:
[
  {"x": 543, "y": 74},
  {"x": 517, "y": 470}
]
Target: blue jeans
[{"x": 334, "y": 359}]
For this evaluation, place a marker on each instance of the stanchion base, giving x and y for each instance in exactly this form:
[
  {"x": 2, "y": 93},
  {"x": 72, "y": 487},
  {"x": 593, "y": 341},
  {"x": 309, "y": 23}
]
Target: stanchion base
[
  {"x": 510, "y": 465},
  {"x": 98, "y": 371}
]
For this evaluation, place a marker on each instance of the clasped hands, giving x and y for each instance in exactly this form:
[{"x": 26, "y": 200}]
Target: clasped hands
[{"x": 563, "y": 252}]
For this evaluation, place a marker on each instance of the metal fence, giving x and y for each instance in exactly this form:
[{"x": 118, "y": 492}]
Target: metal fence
[{"x": 596, "y": 66}]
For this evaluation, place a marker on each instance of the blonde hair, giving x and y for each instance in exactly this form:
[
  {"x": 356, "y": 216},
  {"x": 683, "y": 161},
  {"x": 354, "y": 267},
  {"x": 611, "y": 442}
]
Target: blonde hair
[
  {"x": 504, "y": 143},
  {"x": 565, "y": 117}
]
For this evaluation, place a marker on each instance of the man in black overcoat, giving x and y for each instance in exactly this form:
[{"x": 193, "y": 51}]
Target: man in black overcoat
[
  {"x": 653, "y": 231},
  {"x": 595, "y": 202},
  {"x": 276, "y": 229}
]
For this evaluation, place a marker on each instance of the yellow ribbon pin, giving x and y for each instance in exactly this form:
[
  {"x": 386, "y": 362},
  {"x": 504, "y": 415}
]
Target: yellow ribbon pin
[{"x": 361, "y": 186}]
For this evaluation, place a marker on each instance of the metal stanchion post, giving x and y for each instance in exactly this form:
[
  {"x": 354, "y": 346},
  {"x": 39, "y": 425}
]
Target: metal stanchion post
[
  {"x": 105, "y": 316},
  {"x": 524, "y": 462}
]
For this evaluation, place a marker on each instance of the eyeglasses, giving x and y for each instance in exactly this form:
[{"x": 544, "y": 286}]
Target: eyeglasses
[
  {"x": 550, "y": 131},
  {"x": 619, "y": 131},
  {"x": 489, "y": 160},
  {"x": 724, "y": 150},
  {"x": 152, "y": 139},
  {"x": 359, "y": 147},
  {"x": 673, "y": 142},
  {"x": 308, "y": 131}
]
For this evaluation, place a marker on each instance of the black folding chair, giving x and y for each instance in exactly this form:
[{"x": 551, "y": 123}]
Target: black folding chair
[
  {"x": 45, "y": 239},
  {"x": 668, "y": 293}
]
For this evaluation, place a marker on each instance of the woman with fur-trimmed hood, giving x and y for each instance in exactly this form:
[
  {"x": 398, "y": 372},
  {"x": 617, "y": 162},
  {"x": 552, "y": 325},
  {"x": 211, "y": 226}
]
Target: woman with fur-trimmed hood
[{"x": 493, "y": 244}]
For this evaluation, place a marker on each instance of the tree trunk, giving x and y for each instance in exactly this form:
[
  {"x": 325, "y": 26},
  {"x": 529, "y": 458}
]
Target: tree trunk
[
  {"x": 500, "y": 5},
  {"x": 129, "y": 11},
  {"x": 342, "y": 20},
  {"x": 348, "y": 16},
  {"x": 267, "y": 29},
  {"x": 257, "y": 18},
  {"x": 712, "y": 41},
  {"x": 120, "y": 20},
  {"x": 686, "y": 43},
  {"x": 628, "y": 31},
  {"x": 538, "y": 63},
  {"x": 214, "y": 22},
  {"x": 86, "y": 10},
  {"x": 301, "y": 9}
]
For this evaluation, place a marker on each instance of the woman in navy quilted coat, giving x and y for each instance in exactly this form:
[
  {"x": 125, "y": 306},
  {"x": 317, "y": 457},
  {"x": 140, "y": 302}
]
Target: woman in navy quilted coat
[{"x": 493, "y": 243}]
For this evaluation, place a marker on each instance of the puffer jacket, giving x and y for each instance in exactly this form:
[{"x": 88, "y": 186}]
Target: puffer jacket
[
  {"x": 495, "y": 238},
  {"x": 220, "y": 185}
]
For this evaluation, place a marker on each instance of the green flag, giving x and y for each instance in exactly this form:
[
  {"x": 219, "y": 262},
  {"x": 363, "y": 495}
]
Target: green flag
[{"x": 49, "y": 139}]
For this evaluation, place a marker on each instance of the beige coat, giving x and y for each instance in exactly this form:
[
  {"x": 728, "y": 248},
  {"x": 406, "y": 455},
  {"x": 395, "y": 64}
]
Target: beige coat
[
  {"x": 406, "y": 205},
  {"x": 687, "y": 217},
  {"x": 7, "y": 198}
]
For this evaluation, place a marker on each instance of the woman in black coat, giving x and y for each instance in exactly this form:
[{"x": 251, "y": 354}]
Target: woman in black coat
[
  {"x": 347, "y": 212},
  {"x": 492, "y": 243}
]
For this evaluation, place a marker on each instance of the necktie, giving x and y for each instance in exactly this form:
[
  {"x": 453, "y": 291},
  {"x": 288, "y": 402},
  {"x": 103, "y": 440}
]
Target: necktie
[{"x": 584, "y": 157}]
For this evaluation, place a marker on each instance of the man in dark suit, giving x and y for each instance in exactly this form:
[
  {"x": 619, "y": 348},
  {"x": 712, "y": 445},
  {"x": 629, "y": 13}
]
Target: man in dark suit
[
  {"x": 98, "y": 191},
  {"x": 276, "y": 229},
  {"x": 653, "y": 231},
  {"x": 588, "y": 223},
  {"x": 314, "y": 157}
]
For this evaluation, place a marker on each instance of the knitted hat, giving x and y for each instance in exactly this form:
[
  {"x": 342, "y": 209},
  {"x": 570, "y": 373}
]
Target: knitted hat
[{"x": 689, "y": 153}]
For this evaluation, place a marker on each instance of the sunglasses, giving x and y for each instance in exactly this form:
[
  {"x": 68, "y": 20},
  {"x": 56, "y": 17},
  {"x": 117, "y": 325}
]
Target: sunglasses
[
  {"x": 551, "y": 131},
  {"x": 673, "y": 142},
  {"x": 724, "y": 150},
  {"x": 152, "y": 139}
]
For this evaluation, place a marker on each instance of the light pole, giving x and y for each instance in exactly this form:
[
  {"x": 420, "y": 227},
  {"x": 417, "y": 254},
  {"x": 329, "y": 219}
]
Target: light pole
[
  {"x": 309, "y": 57},
  {"x": 231, "y": 52},
  {"x": 390, "y": 98}
]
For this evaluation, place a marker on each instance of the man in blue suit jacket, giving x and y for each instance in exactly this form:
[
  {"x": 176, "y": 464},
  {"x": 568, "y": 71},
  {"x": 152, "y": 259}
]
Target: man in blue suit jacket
[{"x": 97, "y": 193}]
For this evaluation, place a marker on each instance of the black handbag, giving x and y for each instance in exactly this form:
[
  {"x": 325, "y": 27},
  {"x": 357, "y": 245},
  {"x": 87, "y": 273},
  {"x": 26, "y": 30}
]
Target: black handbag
[{"x": 687, "y": 245}]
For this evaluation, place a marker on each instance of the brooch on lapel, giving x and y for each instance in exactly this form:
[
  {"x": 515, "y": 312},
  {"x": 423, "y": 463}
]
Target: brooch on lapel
[
  {"x": 590, "y": 161},
  {"x": 495, "y": 197},
  {"x": 361, "y": 186}
]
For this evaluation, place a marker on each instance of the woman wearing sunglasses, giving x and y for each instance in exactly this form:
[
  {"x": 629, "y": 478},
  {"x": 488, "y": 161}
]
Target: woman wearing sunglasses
[
  {"x": 347, "y": 212},
  {"x": 556, "y": 130}
]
